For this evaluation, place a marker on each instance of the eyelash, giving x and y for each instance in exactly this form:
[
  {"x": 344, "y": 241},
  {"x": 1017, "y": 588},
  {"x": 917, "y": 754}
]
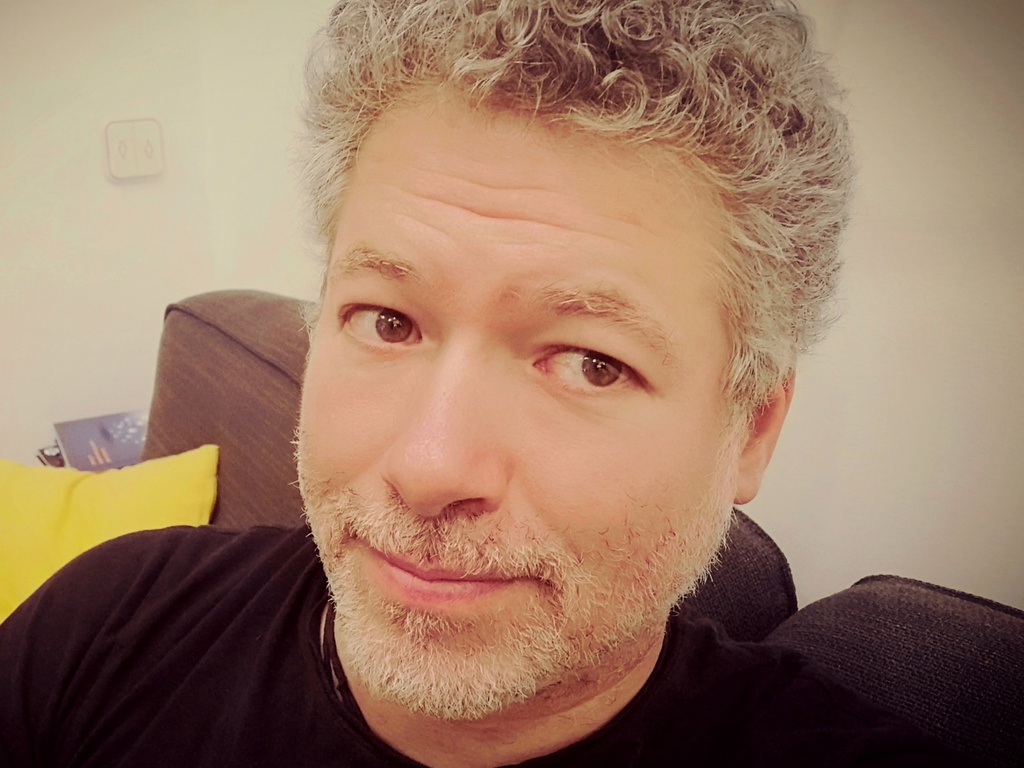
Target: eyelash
[{"x": 628, "y": 377}]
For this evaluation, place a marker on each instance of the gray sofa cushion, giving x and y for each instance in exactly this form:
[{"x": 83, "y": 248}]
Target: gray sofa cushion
[
  {"x": 750, "y": 589},
  {"x": 230, "y": 371},
  {"x": 952, "y": 662}
]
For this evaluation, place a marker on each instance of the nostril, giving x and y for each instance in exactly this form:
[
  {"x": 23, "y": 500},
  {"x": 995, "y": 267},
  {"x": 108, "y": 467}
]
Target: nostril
[
  {"x": 465, "y": 508},
  {"x": 453, "y": 508},
  {"x": 460, "y": 507}
]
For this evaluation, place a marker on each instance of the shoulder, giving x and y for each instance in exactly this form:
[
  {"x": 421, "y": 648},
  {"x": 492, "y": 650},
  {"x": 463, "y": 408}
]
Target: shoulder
[
  {"x": 137, "y": 567},
  {"x": 160, "y": 624},
  {"x": 158, "y": 581},
  {"x": 755, "y": 704}
]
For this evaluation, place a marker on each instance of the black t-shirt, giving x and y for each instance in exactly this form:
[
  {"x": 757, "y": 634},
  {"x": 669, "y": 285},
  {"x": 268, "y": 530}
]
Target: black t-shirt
[{"x": 202, "y": 647}]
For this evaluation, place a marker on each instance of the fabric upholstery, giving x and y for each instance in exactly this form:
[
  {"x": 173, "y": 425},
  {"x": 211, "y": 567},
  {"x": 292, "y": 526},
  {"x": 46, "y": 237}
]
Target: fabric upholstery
[
  {"x": 750, "y": 589},
  {"x": 230, "y": 371},
  {"x": 952, "y": 662}
]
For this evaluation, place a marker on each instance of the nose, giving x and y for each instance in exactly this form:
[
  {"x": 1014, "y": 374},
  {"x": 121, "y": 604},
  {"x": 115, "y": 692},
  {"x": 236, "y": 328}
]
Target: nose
[{"x": 448, "y": 451}]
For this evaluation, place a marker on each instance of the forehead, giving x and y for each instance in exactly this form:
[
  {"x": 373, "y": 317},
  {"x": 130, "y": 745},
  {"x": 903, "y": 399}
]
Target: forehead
[{"x": 444, "y": 139}]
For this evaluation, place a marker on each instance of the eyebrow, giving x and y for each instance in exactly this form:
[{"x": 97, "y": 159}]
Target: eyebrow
[
  {"x": 605, "y": 304},
  {"x": 361, "y": 258},
  {"x": 610, "y": 306}
]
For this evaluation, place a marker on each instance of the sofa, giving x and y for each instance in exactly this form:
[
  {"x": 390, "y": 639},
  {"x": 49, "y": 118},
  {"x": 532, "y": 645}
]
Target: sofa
[{"x": 229, "y": 372}]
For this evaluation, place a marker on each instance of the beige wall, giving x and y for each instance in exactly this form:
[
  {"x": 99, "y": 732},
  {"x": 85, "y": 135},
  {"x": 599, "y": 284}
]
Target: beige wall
[
  {"x": 902, "y": 451},
  {"x": 86, "y": 264},
  {"x": 904, "y": 448}
]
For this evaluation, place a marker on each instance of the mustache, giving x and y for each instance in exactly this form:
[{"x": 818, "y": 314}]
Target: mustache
[{"x": 450, "y": 540}]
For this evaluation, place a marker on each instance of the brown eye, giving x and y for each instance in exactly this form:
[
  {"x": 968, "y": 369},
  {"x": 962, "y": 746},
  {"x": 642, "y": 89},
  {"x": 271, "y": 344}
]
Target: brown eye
[
  {"x": 585, "y": 370},
  {"x": 600, "y": 371},
  {"x": 393, "y": 327},
  {"x": 379, "y": 326}
]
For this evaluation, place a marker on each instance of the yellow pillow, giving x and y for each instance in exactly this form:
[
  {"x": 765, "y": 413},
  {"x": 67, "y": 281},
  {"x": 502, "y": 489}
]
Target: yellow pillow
[{"x": 49, "y": 516}]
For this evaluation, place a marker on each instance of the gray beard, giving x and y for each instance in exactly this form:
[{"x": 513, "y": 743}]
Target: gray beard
[{"x": 573, "y": 632}]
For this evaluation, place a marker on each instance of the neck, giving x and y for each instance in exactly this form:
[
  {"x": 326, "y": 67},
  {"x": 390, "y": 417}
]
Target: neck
[{"x": 533, "y": 728}]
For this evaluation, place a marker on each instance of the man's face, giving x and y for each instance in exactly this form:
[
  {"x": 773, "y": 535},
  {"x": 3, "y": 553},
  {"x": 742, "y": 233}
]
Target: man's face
[{"x": 513, "y": 445}]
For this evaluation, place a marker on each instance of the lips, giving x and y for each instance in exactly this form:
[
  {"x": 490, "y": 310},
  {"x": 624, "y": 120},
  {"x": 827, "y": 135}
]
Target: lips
[
  {"x": 433, "y": 573},
  {"x": 428, "y": 587}
]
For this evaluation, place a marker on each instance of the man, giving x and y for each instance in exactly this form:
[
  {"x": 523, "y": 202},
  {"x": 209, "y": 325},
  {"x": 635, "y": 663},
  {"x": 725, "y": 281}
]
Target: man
[{"x": 574, "y": 250}]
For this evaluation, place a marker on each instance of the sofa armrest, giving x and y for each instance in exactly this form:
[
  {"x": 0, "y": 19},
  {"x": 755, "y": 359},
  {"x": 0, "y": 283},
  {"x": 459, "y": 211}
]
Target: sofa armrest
[
  {"x": 749, "y": 590},
  {"x": 951, "y": 662},
  {"x": 229, "y": 373}
]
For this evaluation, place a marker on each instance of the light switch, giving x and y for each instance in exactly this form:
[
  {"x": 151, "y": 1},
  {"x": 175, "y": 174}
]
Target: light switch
[{"x": 135, "y": 149}]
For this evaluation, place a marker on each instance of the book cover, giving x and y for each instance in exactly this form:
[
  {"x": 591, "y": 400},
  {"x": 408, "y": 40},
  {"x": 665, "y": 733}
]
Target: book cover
[{"x": 103, "y": 442}]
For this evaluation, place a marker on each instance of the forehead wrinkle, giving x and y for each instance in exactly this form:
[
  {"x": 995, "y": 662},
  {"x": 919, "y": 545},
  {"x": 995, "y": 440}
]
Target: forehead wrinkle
[
  {"x": 609, "y": 306},
  {"x": 363, "y": 258},
  {"x": 502, "y": 201}
]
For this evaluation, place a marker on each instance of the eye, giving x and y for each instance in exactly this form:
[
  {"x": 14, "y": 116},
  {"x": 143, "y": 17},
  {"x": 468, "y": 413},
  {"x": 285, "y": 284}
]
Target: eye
[
  {"x": 586, "y": 369},
  {"x": 373, "y": 325}
]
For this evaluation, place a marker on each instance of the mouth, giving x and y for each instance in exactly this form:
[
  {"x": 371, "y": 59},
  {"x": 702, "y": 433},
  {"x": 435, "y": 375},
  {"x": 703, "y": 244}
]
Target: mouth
[
  {"x": 435, "y": 573},
  {"x": 429, "y": 587}
]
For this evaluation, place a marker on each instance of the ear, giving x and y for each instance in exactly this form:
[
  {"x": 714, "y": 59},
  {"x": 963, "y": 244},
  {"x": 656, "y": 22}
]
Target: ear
[{"x": 762, "y": 435}]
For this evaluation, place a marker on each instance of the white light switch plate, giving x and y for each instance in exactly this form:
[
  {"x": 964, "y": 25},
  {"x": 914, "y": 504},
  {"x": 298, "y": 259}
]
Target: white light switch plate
[{"x": 135, "y": 149}]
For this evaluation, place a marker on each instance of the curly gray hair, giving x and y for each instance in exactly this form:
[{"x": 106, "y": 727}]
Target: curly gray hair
[{"x": 732, "y": 86}]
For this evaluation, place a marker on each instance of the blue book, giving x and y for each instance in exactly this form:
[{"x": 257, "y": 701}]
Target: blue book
[{"x": 103, "y": 442}]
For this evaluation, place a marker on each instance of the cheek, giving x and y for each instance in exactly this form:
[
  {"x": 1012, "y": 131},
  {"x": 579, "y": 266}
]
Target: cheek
[
  {"x": 617, "y": 490},
  {"x": 343, "y": 419}
]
